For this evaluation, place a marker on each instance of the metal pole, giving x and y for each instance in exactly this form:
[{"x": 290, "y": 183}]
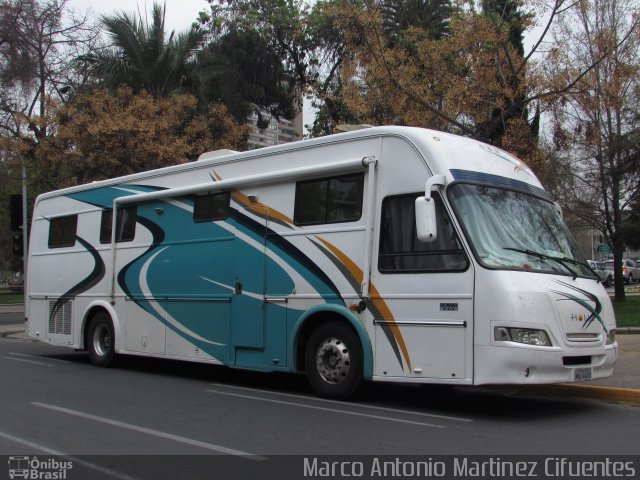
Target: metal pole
[{"x": 25, "y": 226}]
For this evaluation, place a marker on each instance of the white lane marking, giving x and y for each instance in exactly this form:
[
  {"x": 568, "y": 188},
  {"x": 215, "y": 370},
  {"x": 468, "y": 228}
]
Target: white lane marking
[
  {"x": 150, "y": 431},
  {"x": 49, "y": 451},
  {"x": 337, "y": 402},
  {"x": 326, "y": 409},
  {"x": 28, "y": 361},
  {"x": 38, "y": 356}
]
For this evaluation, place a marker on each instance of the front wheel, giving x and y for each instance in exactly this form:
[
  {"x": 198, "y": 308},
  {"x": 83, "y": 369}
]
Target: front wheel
[
  {"x": 334, "y": 360},
  {"x": 101, "y": 340}
]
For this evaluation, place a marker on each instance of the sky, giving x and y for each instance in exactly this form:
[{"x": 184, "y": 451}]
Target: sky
[{"x": 180, "y": 13}]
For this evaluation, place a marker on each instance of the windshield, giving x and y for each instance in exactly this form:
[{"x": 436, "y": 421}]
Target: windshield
[{"x": 514, "y": 230}]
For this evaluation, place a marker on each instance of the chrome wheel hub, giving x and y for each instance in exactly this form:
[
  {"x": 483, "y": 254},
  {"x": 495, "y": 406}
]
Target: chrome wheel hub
[
  {"x": 101, "y": 340},
  {"x": 332, "y": 360}
]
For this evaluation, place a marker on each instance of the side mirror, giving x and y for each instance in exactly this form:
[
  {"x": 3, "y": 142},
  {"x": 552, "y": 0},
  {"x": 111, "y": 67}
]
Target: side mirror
[
  {"x": 558, "y": 209},
  {"x": 426, "y": 222}
]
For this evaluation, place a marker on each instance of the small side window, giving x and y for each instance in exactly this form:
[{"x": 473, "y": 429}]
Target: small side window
[
  {"x": 62, "y": 231},
  {"x": 126, "y": 222},
  {"x": 329, "y": 200},
  {"x": 105, "y": 226},
  {"x": 211, "y": 207}
]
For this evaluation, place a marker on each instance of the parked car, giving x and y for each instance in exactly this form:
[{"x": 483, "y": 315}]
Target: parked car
[
  {"x": 605, "y": 275},
  {"x": 630, "y": 270}
]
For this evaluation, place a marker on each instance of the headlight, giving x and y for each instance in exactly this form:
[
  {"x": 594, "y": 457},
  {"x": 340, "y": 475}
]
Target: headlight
[
  {"x": 611, "y": 337},
  {"x": 526, "y": 336}
]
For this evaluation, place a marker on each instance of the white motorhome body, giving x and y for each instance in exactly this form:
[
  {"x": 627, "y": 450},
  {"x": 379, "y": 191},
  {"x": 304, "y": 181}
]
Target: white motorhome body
[{"x": 305, "y": 257}]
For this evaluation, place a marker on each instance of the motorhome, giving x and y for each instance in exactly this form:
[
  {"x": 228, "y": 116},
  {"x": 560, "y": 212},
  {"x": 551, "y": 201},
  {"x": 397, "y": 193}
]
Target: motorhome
[{"x": 391, "y": 254}]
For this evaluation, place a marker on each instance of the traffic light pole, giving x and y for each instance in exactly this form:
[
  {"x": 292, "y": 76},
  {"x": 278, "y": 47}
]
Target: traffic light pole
[{"x": 25, "y": 226}]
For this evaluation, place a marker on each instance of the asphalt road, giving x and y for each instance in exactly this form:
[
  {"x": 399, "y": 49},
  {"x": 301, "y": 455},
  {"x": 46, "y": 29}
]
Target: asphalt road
[
  {"x": 11, "y": 318},
  {"x": 52, "y": 401}
]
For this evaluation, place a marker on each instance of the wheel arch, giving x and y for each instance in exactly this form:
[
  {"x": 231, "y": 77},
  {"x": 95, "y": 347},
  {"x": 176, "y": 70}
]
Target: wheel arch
[
  {"x": 308, "y": 321},
  {"x": 94, "y": 308}
]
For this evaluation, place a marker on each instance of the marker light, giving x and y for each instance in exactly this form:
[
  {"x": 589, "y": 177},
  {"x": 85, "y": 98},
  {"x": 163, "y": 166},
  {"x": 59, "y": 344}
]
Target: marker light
[
  {"x": 611, "y": 337},
  {"x": 526, "y": 336}
]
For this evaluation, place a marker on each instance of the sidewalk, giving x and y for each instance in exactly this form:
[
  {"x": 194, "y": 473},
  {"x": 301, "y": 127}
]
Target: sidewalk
[{"x": 623, "y": 386}]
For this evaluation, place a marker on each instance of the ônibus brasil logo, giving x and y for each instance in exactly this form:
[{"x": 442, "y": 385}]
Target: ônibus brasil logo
[{"x": 32, "y": 468}]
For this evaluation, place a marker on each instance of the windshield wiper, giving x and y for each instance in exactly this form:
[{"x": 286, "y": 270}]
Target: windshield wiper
[
  {"x": 561, "y": 260},
  {"x": 584, "y": 264}
]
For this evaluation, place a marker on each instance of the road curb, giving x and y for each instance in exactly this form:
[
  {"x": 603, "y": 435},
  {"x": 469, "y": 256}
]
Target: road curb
[
  {"x": 628, "y": 330},
  {"x": 6, "y": 333},
  {"x": 570, "y": 390}
]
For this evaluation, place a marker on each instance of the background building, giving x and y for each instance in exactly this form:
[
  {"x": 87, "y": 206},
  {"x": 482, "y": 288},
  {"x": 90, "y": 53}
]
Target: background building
[{"x": 278, "y": 131}]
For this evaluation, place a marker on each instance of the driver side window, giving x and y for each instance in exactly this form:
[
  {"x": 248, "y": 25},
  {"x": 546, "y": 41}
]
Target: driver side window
[{"x": 400, "y": 249}]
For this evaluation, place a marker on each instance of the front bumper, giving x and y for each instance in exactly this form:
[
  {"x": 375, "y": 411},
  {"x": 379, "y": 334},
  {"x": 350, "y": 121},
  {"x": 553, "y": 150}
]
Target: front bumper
[{"x": 521, "y": 365}]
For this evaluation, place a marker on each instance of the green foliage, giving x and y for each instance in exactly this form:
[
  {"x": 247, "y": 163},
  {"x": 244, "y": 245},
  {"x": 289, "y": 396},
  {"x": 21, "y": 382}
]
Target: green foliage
[
  {"x": 432, "y": 16},
  {"x": 509, "y": 14},
  {"x": 237, "y": 66},
  {"x": 9, "y": 298},
  {"x": 230, "y": 69},
  {"x": 145, "y": 56},
  {"x": 628, "y": 312}
]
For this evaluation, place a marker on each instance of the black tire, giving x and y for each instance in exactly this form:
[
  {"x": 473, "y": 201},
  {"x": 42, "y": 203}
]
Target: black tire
[
  {"x": 630, "y": 279},
  {"x": 334, "y": 360},
  {"x": 101, "y": 340},
  {"x": 608, "y": 281}
]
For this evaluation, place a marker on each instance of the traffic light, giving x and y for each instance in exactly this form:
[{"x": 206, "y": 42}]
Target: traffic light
[
  {"x": 18, "y": 248},
  {"x": 15, "y": 210}
]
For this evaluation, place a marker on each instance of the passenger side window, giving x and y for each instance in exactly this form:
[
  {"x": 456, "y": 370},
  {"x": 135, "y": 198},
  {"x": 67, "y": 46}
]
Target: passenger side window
[
  {"x": 62, "y": 231},
  {"x": 105, "y": 226},
  {"x": 126, "y": 224},
  {"x": 329, "y": 200},
  {"x": 400, "y": 249},
  {"x": 212, "y": 207}
]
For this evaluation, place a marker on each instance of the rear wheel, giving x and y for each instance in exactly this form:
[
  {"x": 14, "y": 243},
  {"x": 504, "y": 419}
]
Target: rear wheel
[
  {"x": 101, "y": 340},
  {"x": 334, "y": 360}
]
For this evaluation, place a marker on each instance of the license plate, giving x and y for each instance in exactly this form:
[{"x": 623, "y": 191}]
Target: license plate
[{"x": 582, "y": 374}]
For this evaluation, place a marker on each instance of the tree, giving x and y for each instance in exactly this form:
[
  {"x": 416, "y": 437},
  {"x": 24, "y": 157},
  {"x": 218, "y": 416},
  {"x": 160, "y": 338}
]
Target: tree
[
  {"x": 263, "y": 47},
  {"x": 243, "y": 71},
  {"x": 338, "y": 36},
  {"x": 145, "y": 56},
  {"x": 302, "y": 39},
  {"x": 595, "y": 123},
  {"x": 38, "y": 41},
  {"x": 230, "y": 65},
  {"x": 476, "y": 80},
  {"x": 103, "y": 135},
  {"x": 632, "y": 230}
]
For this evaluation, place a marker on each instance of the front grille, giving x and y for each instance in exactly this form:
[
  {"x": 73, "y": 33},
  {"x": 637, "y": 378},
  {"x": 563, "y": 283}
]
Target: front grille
[
  {"x": 573, "y": 361},
  {"x": 584, "y": 337}
]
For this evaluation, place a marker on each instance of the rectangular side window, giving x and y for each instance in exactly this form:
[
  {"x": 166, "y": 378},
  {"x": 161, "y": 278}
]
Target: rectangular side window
[
  {"x": 62, "y": 231},
  {"x": 329, "y": 200},
  {"x": 126, "y": 222},
  {"x": 211, "y": 207},
  {"x": 105, "y": 225},
  {"x": 400, "y": 249}
]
